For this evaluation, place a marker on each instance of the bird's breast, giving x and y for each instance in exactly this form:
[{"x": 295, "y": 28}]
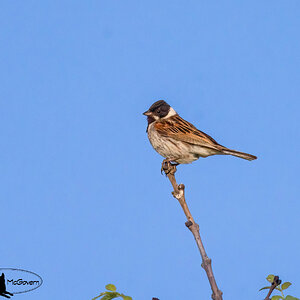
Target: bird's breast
[
  {"x": 169, "y": 147},
  {"x": 155, "y": 138}
]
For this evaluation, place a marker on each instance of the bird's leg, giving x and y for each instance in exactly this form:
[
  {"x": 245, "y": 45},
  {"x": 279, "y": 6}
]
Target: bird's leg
[{"x": 168, "y": 166}]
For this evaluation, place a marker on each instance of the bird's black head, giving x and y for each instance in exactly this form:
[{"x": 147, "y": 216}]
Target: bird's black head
[{"x": 157, "y": 110}]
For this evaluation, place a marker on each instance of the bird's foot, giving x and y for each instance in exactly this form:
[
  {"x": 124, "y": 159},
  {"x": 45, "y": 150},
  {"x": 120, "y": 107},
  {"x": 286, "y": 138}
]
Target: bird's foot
[{"x": 168, "y": 167}]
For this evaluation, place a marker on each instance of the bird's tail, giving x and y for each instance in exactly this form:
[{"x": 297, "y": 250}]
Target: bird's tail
[{"x": 239, "y": 154}]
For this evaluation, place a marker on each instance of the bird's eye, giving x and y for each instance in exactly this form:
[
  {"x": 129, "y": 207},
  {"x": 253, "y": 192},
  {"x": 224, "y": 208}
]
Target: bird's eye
[{"x": 158, "y": 111}]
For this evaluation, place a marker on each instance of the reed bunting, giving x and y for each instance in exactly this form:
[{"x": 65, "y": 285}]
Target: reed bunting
[{"x": 178, "y": 140}]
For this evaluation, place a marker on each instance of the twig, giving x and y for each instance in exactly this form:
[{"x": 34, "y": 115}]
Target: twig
[
  {"x": 275, "y": 283},
  {"x": 178, "y": 193}
]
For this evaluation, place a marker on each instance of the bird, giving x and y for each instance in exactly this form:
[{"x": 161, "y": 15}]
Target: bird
[{"x": 179, "y": 141}]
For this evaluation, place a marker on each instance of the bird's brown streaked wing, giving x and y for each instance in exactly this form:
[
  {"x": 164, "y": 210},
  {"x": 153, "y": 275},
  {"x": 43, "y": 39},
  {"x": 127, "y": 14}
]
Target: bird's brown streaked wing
[{"x": 179, "y": 129}]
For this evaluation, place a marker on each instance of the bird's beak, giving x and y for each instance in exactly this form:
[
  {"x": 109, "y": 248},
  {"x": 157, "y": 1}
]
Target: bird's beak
[{"x": 147, "y": 113}]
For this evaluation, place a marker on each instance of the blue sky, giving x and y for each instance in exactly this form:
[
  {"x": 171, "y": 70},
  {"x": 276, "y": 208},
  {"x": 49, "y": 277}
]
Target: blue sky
[{"x": 83, "y": 201}]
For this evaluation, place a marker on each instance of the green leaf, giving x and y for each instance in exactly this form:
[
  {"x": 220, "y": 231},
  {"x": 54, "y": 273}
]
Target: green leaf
[
  {"x": 291, "y": 298},
  {"x": 270, "y": 278},
  {"x": 285, "y": 285},
  {"x": 110, "y": 295},
  {"x": 264, "y": 288},
  {"x": 276, "y": 297},
  {"x": 111, "y": 287},
  {"x": 98, "y": 296},
  {"x": 126, "y": 297}
]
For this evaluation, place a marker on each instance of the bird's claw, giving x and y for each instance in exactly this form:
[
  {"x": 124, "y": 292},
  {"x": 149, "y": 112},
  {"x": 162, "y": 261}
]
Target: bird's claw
[{"x": 167, "y": 167}]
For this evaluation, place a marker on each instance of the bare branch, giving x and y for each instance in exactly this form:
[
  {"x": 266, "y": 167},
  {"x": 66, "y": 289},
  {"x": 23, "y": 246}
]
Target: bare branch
[{"x": 179, "y": 194}]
